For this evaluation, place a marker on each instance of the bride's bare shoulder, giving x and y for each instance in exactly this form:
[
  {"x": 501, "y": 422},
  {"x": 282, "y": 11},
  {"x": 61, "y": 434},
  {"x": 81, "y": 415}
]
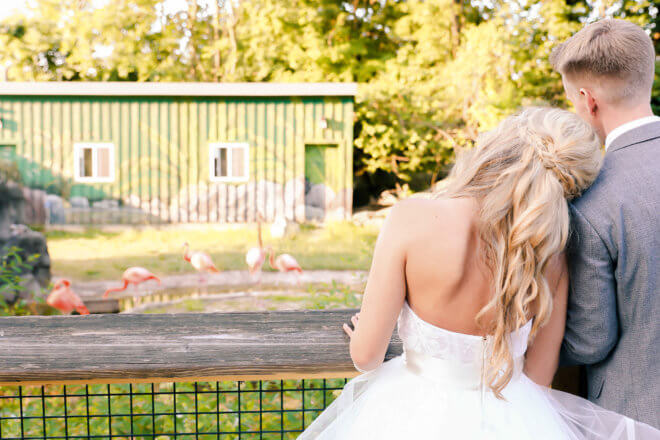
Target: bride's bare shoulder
[
  {"x": 441, "y": 214},
  {"x": 441, "y": 208}
]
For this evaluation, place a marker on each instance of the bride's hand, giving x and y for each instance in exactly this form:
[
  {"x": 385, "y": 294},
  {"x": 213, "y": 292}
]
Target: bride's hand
[{"x": 354, "y": 320}]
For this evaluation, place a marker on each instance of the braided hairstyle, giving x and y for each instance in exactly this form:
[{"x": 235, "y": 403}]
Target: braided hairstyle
[{"x": 522, "y": 173}]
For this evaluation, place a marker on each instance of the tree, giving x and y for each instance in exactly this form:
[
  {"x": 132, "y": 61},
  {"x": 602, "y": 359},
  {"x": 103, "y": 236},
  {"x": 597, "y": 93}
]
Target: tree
[{"x": 432, "y": 73}]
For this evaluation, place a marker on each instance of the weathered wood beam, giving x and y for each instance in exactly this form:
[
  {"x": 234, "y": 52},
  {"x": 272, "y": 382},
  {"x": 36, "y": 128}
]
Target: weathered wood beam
[{"x": 177, "y": 347}]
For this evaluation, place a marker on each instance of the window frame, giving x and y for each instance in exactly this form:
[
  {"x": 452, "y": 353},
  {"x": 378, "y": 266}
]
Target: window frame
[
  {"x": 78, "y": 149},
  {"x": 230, "y": 146}
]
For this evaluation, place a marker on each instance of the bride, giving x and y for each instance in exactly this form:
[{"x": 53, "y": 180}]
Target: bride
[{"x": 476, "y": 282}]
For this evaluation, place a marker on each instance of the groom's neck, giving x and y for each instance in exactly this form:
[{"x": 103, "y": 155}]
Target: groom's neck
[{"x": 614, "y": 117}]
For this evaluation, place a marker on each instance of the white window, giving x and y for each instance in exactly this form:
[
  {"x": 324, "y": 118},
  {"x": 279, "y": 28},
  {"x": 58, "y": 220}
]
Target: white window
[
  {"x": 94, "y": 162},
  {"x": 229, "y": 161}
]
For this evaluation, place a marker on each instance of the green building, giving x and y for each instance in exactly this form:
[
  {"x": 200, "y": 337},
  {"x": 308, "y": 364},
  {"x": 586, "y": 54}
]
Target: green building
[{"x": 181, "y": 152}]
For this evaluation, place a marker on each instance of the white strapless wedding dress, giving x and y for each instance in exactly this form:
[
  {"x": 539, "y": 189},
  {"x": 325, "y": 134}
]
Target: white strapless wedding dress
[{"x": 433, "y": 390}]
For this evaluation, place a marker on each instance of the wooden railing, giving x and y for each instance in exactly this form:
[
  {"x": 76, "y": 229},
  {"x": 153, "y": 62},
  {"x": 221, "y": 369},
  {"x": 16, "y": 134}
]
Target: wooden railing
[
  {"x": 225, "y": 374},
  {"x": 131, "y": 348},
  {"x": 211, "y": 375}
]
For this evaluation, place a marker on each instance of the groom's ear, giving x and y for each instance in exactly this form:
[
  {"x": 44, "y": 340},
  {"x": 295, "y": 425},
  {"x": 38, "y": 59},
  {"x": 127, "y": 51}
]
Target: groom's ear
[{"x": 590, "y": 100}]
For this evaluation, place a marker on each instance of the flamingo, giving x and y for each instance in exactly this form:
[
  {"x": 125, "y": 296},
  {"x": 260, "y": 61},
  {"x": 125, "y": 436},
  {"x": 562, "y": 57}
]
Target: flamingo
[
  {"x": 201, "y": 261},
  {"x": 65, "y": 300},
  {"x": 133, "y": 275},
  {"x": 256, "y": 256},
  {"x": 283, "y": 262}
]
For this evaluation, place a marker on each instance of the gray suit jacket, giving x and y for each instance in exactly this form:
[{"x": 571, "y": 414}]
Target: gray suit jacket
[{"x": 613, "y": 319}]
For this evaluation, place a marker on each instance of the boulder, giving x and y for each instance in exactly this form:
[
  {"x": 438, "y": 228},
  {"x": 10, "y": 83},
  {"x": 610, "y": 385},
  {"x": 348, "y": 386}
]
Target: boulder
[
  {"x": 34, "y": 208},
  {"x": 106, "y": 204},
  {"x": 37, "y": 274},
  {"x": 79, "y": 202},
  {"x": 55, "y": 213},
  {"x": 14, "y": 234},
  {"x": 320, "y": 196},
  {"x": 11, "y": 207},
  {"x": 314, "y": 213}
]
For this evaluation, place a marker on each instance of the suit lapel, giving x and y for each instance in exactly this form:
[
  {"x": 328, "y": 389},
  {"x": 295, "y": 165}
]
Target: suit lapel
[{"x": 637, "y": 135}]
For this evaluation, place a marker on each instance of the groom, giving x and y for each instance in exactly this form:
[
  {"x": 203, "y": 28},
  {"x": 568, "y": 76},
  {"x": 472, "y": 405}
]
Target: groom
[{"x": 613, "y": 320}]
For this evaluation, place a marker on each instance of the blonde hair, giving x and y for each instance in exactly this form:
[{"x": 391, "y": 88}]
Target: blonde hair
[
  {"x": 609, "y": 49},
  {"x": 522, "y": 174}
]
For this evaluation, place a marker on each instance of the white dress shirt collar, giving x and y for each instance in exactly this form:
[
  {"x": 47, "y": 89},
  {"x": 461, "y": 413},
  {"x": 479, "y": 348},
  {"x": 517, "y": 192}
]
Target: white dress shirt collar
[{"x": 627, "y": 127}]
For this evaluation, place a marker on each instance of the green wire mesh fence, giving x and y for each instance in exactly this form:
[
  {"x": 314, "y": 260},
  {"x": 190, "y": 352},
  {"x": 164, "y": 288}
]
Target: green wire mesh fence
[{"x": 240, "y": 410}]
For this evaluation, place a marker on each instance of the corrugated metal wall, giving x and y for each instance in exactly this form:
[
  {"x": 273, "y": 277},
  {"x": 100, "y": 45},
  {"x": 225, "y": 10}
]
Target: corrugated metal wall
[{"x": 161, "y": 162}]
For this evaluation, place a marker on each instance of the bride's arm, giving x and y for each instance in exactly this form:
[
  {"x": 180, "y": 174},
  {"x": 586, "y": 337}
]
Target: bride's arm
[
  {"x": 384, "y": 293},
  {"x": 542, "y": 356}
]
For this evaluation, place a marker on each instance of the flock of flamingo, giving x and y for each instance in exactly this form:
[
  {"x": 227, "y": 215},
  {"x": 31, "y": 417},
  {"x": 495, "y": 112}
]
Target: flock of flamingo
[{"x": 64, "y": 299}]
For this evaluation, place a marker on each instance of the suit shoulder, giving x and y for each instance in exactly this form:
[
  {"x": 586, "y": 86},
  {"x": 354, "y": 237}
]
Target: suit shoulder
[{"x": 600, "y": 192}]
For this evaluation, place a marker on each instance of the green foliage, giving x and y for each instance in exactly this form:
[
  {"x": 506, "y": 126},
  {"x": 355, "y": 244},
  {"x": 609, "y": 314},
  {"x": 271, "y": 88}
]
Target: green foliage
[
  {"x": 12, "y": 267},
  {"x": 332, "y": 296},
  {"x": 201, "y": 407},
  {"x": 9, "y": 171},
  {"x": 433, "y": 73}
]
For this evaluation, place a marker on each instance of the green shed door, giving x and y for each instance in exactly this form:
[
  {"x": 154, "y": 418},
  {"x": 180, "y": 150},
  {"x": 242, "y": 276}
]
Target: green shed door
[
  {"x": 320, "y": 174},
  {"x": 315, "y": 164}
]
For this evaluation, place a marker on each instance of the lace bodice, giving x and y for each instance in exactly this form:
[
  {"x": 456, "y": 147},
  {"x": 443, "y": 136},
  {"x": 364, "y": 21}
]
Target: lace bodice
[{"x": 421, "y": 336}]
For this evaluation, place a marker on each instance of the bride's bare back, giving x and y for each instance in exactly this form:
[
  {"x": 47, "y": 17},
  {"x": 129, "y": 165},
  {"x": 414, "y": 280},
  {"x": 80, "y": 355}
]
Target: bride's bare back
[
  {"x": 427, "y": 253},
  {"x": 447, "y": 281}
]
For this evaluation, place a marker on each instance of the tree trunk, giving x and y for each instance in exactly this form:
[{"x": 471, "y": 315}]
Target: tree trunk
[
  {"x": 192, "y": 49},
  {"x": 217, "y": 60},
  {"x": 456, "y": 27},
  {"x": 231, "y": 23}
]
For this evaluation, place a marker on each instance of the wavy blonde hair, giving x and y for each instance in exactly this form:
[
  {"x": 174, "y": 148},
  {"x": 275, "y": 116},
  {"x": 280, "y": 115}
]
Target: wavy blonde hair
[{"x": 522, "y": 173}]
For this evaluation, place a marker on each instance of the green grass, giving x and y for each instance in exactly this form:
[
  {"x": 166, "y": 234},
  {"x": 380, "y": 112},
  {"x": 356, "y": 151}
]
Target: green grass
[
  {"x": 211, "y": 397},
  {"x": 99, "y": 255},
  {"x": 316, "y": 297}
]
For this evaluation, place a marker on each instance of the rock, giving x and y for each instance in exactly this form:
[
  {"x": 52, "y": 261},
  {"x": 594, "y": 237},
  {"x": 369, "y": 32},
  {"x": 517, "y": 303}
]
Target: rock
[
  {"x": 106, "y": 204},
  {"x": 387, "y": 198},
  {"x": 370, "y": 216},
  {"x": 14, "y": 234},
  {"x": 30, "y": 288},
  {"x": 34, "y": 209},
  {"x": 320, "y": 196},
  {"x": 29, "y": 242},
  {"x": 11, "y": 207},
  {"x": 17, "y": 229},
  {"x": 55, "y": 213},
  {"x": 314, "y": 213},
  {"x": 79, "y": 202}
]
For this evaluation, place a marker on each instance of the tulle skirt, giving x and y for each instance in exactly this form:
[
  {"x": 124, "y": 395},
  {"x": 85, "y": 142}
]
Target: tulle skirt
[{"x": 392, "y": 402}]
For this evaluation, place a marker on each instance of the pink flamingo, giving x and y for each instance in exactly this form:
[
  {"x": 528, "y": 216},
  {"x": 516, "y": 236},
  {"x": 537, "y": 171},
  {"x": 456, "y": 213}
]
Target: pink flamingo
[
  {"x": 133, "y": 275},
  {"x": 256, "y": 256},
  {"x": 65, "y": 300},
  {"x": 201, "y": 261},
  {"x": 283, "y": 262}
]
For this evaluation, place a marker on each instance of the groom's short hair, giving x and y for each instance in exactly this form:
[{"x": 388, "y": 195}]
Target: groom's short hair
[{"x": 609, "y": 49}]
